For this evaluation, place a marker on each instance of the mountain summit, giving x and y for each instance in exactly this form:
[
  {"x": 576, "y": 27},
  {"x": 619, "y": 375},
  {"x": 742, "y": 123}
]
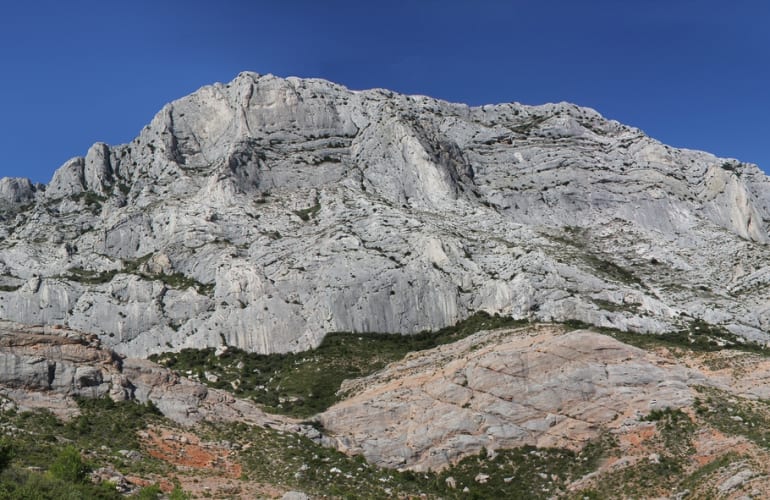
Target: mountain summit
[{"x": 267, "y": 212}]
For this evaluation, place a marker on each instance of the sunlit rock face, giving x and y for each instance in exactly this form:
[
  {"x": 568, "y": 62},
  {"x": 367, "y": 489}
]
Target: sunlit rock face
[
  {"x": 539, "y": 386},
  {"x": 266, "y": 212}
]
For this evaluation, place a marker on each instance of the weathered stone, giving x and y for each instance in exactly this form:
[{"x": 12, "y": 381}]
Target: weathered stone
[
  {"x": 266, "y": 212},
  {"x": 41, "y": 367},
  {"x": 16, "y": 191},
  {"x": 735, "y": 481},
  {"x": 295, "y": 495},
  {"x": 531, "y": 386}
]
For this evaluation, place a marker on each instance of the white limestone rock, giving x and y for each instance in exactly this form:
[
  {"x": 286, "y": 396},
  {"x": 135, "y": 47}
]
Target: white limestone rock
[
  {"x": 16, "y": 191},
  {"x": 67, "y": 180},
  {"x": 97, "y": 171},
  {"x": 267, "y": 212}
]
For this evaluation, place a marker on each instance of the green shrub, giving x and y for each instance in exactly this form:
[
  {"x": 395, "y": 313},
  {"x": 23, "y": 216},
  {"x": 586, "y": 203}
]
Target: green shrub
[
  {"x": 178, "y": 494},
  {"x": 308, "y": 213},
  {"x": 69, "y": 466},
  {"x": 6, "y": 454},
  {"x": 16, "y": 482},
  {"x": 152, "y": 492}
]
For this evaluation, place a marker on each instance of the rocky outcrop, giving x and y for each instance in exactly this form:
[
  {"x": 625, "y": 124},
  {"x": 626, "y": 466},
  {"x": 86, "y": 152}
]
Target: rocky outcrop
[
  {"x": 498, "y": 390},
  {"x": 40, "y": 359},
  {"x": 67, "y": 181},
  {"x": 266, "y": 212},
  {"x": 16, "y": 191},
  {"x": 544, "y": 386},
  {"x": 48, "y": 368},
  {"x": 187, "y": 402}
]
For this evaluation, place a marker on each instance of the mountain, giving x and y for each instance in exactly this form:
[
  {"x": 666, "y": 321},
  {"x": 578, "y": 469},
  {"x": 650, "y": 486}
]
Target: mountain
[
  {"x": 266, "y": 212},
  {"x": 584, "y": 309}
]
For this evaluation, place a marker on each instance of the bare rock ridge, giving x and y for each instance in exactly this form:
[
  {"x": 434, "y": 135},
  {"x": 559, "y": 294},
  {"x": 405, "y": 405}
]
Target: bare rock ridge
[{"x": 266, "y": 212}]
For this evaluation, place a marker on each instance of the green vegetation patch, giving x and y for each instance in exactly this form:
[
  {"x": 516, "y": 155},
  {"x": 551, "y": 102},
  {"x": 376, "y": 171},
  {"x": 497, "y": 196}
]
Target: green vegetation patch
[
  {"x": 576, "y": 245},
  {"x": 296, "y": 462},
  {"x": 700, "y": 475},
  {"x": 88, "y": 197},
  {"x": 700, "y": 336},
  {"x": 611, "y": 270},
  {"x": 93, "y": 201},
  {"x": 646, "y": 479},
  {"x": 308, "y": 213},
  {"x": 90, "y": 277},
  {"x": 12, "y": 283},
  {"x": 676, "y": 430},
  {"x": 606, "y": 305},
  {"x": 103, "y": 427},
  {"x": 524, "y": 473},
  {"x": 657, "y": 476},
  {"x": 526, "y": 127},
  {"x": 735, "y": 416},
  {"x": 44, "y": 457},
  {"x": 19, "y": 483},
  {"x": 177, "y": 281},
  {"x": 696, "y": 336},
  {"x": 303, "y": 384}
]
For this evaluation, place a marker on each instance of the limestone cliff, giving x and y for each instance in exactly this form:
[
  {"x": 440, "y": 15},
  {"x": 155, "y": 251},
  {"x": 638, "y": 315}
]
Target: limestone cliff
[{"x": 266, "y": 212}]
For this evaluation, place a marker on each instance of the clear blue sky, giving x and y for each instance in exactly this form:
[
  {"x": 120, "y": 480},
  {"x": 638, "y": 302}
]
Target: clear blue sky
[{"x": 693, "y": 74}]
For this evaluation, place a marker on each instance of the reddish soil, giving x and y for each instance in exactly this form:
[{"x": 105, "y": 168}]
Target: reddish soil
[
  {"x": 186, "y": 451},
  {"x": 637, "y": 437},
  {"x": 204, "y": 470}
]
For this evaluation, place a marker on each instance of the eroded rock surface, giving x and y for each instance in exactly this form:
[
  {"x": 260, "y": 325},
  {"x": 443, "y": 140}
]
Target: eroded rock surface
[
  {"x": 43, "y": 367},
  {"x": 504, "y": 389},
  {"x": 266, "y": 212}
]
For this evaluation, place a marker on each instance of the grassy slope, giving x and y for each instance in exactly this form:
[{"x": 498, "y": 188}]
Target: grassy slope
[
  {"x": 290, "y": 461},
  {"x": 296, "y": 462},
  {"x": 268, "y": 456}
]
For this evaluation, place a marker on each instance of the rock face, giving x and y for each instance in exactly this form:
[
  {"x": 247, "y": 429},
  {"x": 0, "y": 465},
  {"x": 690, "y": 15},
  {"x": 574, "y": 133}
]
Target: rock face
[
  {"x": 545, "y": 386},
  {"x": 499, "y": 390},
  {"x": 267, "y": 212},
  {"x": 54, "y": 360},
  {"x": 49, "y": 367}
]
